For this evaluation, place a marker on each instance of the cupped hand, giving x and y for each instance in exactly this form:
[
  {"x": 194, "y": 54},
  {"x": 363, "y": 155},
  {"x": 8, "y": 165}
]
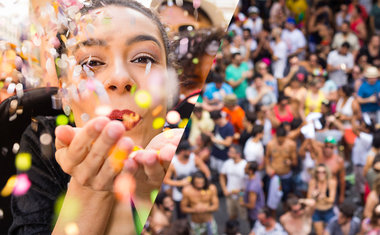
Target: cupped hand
[
  {"x": 149, "y": 166},
  {"x": 84, "y": 152}
]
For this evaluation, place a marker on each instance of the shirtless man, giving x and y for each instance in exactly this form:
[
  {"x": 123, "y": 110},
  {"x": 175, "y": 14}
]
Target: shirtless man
[
  {"x": 200, "y": 200},
  {"x": 334, "y": 162},
  {"x": 280, "y": 157},
  {"x": 162, "y": 212},
  {"x": 297, "y": 221}
]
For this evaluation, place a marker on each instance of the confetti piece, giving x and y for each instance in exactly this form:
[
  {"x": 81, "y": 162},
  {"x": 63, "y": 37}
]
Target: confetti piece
[
  {"x": 183, "y": 46},
  {"x": 72, "y": 229},
  {"x": 46, "y": 139},
  {"x": 103, "y": 110},
  {"x": 143, "y": 99},
  {"x": 157, "y": 110},
  {"x": 85, "y": 117},
  {"x": 11, "y": 88},
  {"x": 23, "y": 161},
  {"x": 8, "y": 188},
  {"x": 71, "y": 118},
  {"x": 158, "y": 123},
  {"x": 77, "y": 70},
  {"x": 71, "y": 210},
  {"x": 22, "y": 185},
  {"x": 62, "y": 120},
  {"x": 15, "y": 148},
  {"x": 195, "y": 60},
  {"x": 183, "y": 123},
  {"x": 193, "y": 99},
  {"x": 117, "y": 158},
  {"x": 1, "y": 85},
  {"x": 147, "y": 68},
  {"x": 173, "y": 117},
  {"x": 153, "y": 195},
  {"x": 124, "y": 187}
]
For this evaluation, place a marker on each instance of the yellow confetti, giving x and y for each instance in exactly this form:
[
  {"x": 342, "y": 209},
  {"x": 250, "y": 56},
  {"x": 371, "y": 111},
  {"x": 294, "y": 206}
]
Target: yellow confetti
[
  {"x": 183, "y": 123},
  {"x": 143, "y": 99},
  {"x": 23, "y": 161},
  {"x": 158, "y": 123},
  {"x": 8, "y": 188}
]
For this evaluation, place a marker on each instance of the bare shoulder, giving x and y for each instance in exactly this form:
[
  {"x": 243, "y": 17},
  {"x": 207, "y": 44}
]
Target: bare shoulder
[
  {"x": 187, "y": 190},
  {"x": 213, "y": 188}
]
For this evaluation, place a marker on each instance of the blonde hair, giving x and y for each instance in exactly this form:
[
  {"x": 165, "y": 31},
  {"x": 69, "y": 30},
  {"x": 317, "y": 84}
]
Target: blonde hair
[{"x": 315, "y": 172}]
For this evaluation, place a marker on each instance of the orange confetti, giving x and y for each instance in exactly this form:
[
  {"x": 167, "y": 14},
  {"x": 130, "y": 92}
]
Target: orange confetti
[
  {"x": 124, "y": 187},
  {"x": 117, "y": 158},
  {"x": 157, "y": 110}
]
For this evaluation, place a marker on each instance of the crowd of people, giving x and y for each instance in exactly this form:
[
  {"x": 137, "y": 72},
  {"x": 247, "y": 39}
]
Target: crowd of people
[{"x": 285, "y": 132}]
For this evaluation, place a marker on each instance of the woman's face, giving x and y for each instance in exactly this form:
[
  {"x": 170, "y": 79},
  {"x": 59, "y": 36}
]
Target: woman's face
[
  {"x": 127, "y": 56},
  {"x": 321, "y": 173}
]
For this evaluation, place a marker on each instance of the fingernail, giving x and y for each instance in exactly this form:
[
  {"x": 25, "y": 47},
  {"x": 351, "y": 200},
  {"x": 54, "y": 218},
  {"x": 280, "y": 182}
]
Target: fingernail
[
  {"x": 114, "y": 132},
  {"x": 99, "y": 125}
]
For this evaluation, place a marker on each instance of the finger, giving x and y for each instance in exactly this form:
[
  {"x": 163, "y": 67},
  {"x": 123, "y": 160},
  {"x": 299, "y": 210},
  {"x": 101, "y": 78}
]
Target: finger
[
  {"x": 84, "y": 138},
  {"x": 152, "y": 167},
  {"x": 166, "y": 155},
  {"x": 103, "y": 181},
  {"x": 101, "y": 148},
  {"x": 64, "y": 135}
]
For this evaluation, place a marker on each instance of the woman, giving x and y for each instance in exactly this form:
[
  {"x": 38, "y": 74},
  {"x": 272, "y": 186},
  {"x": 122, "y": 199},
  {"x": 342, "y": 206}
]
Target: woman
[
  {"x": 371, "y": 226},
  {"x": 115, "y": 62},
  {"x": 203, "y": 147},
  {"x": 347, "y": 110},
  {"x": 270, "y": 81},
  {"x": 357, "y": 25},
  {"x": 254, "y": 149},
  {"x": 322, "y": 188},
  {"x": 296, "y": 91},
  {"x": 372, "y": 199},
  {"x": 314, "y": 98}
]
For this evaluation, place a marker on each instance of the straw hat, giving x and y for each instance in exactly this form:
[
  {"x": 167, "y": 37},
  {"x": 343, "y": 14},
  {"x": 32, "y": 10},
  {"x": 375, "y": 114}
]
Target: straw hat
[
  {"x": 230, "y": 100},
  {"x": 213, "y": 12},
  {"x": 371, "y": 72}
]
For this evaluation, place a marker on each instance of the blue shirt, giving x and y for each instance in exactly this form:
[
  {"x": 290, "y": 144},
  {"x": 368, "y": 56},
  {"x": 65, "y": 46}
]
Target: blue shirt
[
  {"x": 212, "y": 92},
  {"x": 220, "y": 151},
  {"x": 366, "y": 90}
]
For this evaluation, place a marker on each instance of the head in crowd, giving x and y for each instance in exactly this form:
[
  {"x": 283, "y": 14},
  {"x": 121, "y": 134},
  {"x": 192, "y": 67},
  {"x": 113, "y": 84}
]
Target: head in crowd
[
  {"x": 164, "y": 202},
  {"x": 184, "y": 148},
  {"x": 295, "y": 207},
  {"x": 235, "y": 152},
  {"x": 290, "y": 24},
  {"x": 329, "y": 146},
  {"x": 345, "y": 91},
  {"x": 371, "y": 73},
  {"x": 218, "y": 80},
  {"x": 322, "y": 173},
  {"x": 281, "y": 134},
  {"x": 346, "y": 212},
  {"x": 216, "y": 116},
  {"x": 344, "y": 48},
  {"x": 376, "y": 164},
  {"x": 230, "y": 101},
  {"x": 203, "y": 140},
  {"x": 199, "y": 181},
  {"x": 283, "y": 100},
  {"x": 247, "y": 34},
  {"x": 258, "y": 131},
  {"x": 232, "y": 227},
  {"x": 375, "y": 219},
  {"x": 237, "y": 59},
  {"x": 266, "y": 217},
  {"x": 251, "y": 168},
  {"x": 197, "y": 111}
]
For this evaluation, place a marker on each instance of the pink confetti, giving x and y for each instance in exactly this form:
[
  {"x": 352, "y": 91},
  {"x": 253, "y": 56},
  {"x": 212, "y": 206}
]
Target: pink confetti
[{"x": 22, "y": 185}]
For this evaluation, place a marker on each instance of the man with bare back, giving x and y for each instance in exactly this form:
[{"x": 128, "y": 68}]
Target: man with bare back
[
  {"x": 280, "y": 157},
  {"x": 200, "y": 200},
  {"x": 328, "y": 156}
]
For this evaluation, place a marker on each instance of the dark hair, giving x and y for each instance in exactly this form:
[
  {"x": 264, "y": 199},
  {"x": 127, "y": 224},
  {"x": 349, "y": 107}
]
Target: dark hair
[
  {"x": 160, "y": 198},
  {"x": 237, "y": 148},
  {"x": 251, "y": 117},
  {"x": 183, "y": 146},
  {"x": 215, "y": 115},
  {"x": 346, "y": 45},
  {"x": 376, "y": 140},
  {"x": 123, "y": 3},
  {"x": 232, "y": 227},
  {"x": 206, "y": 140},
  {"x": 200, "y": 174},
  {"x": 282, "y": 97},
  {"x": 292, "y": 201},
  {"x": 374, "y": 217},
  {"x": 257, "y": 129},
  {"x": 265, "y": 210},
  {"x": 252, "y": 166},
  {"x": 280, "y": 131},
  {"x": 347, "y": 208},
  {"x": 376, "y": 160},
  {"x": 235, "y": 54},
  {"x": 248, "y": 30},
  {"x": 217, "y": 78}
]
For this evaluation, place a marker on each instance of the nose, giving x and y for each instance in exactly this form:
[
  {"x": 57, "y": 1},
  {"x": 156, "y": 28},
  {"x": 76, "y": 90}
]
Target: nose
[{"x": 120, "y": 80}]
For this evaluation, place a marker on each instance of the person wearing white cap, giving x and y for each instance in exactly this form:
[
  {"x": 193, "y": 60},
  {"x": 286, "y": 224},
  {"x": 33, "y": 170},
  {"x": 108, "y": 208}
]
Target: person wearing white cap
[
  {"x": 254, "y": 21},
  {"x": 368, "y": 94}
]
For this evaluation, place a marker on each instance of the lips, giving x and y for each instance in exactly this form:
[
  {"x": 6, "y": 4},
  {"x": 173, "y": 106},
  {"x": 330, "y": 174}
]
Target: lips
[{"x": 129, "y": 118}]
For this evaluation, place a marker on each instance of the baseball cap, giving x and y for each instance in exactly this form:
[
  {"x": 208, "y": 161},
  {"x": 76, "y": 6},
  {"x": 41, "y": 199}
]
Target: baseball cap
[{"x": 330, "y": 140}]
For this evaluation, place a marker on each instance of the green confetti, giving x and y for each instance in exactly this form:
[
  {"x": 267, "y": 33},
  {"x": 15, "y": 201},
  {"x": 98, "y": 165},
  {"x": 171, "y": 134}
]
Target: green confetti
[
  {"x": 62, "y": 120},
  {"x": 153, "y": 195},
  {"x": 23, "y": 161}
]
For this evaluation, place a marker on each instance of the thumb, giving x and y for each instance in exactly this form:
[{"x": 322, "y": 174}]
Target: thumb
[{"x": 64, "y": 136}]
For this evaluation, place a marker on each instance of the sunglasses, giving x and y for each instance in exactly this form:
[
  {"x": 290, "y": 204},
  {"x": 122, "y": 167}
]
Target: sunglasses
[
  {"x": 329, "y": 146},
  {"x": 321, "y": 172}
]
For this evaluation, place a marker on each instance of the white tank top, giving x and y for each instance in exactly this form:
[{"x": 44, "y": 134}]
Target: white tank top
[
  {"x": 182, "y": 171},
  {"x": 345, "y": 109}
]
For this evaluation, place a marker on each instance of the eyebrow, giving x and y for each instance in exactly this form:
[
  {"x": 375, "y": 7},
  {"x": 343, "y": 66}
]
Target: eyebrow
[
  {"x": 90, "y": 43},
  {"x": 142, "y": 38}
]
